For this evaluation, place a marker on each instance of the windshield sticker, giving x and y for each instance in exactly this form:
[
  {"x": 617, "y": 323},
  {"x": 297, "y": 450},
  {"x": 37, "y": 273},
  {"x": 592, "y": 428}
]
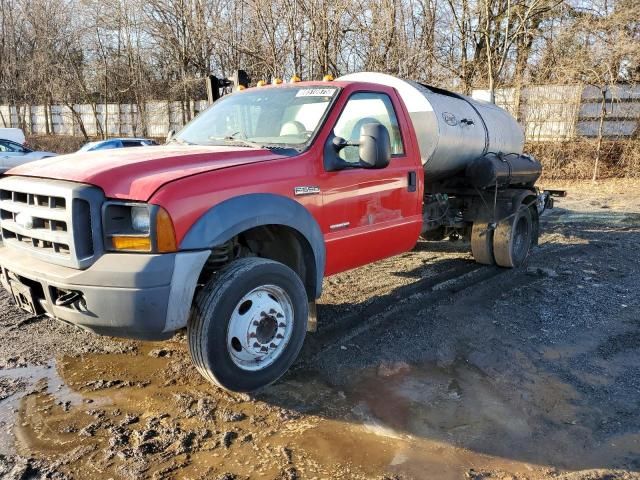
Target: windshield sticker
[{"x": 316, "y": 92}]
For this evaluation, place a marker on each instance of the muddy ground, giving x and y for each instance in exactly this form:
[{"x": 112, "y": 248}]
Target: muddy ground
[{"x": 425, "y": 366}]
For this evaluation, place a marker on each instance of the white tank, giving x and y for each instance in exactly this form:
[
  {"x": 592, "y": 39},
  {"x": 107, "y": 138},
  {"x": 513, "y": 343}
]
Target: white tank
[{"x": 452, "y": 129}]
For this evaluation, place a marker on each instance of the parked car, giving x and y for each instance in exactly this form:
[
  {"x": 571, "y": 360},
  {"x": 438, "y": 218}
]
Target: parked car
[
  {"x": 13, "y": 134},
  {"x": 13, "y": 154},
  {"x": 117, "y": 143}
]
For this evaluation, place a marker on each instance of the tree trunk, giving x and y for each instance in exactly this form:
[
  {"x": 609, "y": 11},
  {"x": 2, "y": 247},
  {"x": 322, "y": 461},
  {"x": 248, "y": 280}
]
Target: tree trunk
[
  {"x": 78, "y": 118},
  {"x": 99, "y": 130},
  {"x": 47, "y": 116},
  {"x": 105, "y": 131},
  {"x": 603, "y": 114}
]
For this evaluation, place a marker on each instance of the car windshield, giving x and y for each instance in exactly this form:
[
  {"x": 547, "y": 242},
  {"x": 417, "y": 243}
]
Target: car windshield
[
  {"x": 283, "y": 117},
  {"x": 88, "y": 146}
]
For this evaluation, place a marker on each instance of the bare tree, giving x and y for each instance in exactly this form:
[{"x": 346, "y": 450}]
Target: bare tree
[{"x": 113, "y": 52}]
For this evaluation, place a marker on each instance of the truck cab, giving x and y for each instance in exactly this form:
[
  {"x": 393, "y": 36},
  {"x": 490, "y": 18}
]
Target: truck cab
[{"x": 125, "y": 242}]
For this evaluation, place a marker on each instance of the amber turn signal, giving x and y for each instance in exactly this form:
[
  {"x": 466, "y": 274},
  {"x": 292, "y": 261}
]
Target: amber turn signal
[
  {"x": 131, "y": 243},
  {"x": 165, "y": 233}
]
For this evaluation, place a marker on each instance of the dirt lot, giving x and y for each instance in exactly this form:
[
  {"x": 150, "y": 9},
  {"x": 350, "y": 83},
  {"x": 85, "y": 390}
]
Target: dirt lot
[{"x": 425, "y": 366}]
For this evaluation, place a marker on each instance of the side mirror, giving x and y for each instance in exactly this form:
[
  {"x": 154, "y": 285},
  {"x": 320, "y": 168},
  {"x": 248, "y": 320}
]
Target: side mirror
[
  {"x": 170, "y": 135},
  {"x": 375, "y": 146}
]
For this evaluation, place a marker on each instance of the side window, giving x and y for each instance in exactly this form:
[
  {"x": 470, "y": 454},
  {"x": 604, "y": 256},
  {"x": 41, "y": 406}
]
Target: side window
[
  {"x": 363, "y": 108},
  {"x": 108, "y": 145},
  {"x": 7, "y": 146},
  {"x": 132, "y": 143}
]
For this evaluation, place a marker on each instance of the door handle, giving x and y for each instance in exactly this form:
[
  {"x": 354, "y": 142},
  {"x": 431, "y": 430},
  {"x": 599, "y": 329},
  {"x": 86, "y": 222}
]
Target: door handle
[{"x": 412, "y": 182}]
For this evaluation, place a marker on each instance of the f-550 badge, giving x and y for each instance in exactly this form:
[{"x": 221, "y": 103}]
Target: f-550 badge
[{"x": 306, "y": 190}]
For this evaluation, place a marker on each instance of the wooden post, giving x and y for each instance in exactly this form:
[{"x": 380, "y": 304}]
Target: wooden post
[
  {"x": 73, "y": 123},
  {"x": 28, "y": 118}
]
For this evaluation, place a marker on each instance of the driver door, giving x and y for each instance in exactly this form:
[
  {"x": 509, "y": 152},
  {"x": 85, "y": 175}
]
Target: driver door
[{"x": 369, "y": 214}]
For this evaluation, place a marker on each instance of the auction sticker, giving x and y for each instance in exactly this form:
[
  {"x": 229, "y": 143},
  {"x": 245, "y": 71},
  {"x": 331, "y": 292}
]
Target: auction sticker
[{"x": 316, "y": 92}]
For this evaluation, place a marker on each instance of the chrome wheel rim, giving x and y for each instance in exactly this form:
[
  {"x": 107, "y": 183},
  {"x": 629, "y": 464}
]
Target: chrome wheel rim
[{"x": 260, "y": 327}]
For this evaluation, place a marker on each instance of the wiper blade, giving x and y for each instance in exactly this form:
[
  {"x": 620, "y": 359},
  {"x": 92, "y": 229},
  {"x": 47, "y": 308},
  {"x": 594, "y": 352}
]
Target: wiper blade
[
  {"x": 238, "y": 141},
  {"x": 180, "y": 141},
  {"x": 251, "y": 144},
  {"x": 244, "y": 142},
  {"x": 267, "y": 146}
]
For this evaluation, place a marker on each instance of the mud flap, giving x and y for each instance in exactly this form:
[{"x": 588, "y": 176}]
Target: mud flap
[
  {"x": 545, "y": 199},
  {"x": 312, "y": 323}
]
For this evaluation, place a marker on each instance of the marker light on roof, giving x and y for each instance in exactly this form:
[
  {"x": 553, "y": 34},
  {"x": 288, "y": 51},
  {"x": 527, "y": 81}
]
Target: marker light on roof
[
  {"x": 276, "y": 81},
  {"x": 261, "y": 83},
  {"x": 327, "y": 78},
  {"x": 240, "y": 88},
  {"x": 295, "y": 79}
]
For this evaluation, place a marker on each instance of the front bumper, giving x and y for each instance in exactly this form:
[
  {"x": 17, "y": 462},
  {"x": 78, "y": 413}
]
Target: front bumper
[{"x": 124, "y": 295}]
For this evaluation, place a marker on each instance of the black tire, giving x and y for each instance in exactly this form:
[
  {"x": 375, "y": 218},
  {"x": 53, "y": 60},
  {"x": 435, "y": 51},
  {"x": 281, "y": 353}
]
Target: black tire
[
  {"x": 512, "y": 239},
  {"x": 482, "y": 243},
  {"x": 209, "y": 323}
]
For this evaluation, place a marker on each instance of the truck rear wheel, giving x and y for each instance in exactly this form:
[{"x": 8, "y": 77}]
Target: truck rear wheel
[
  {"x": 482, "y": 243},
  {"x": 512, "y": 239},
  {"x": 248, "y": 324}
]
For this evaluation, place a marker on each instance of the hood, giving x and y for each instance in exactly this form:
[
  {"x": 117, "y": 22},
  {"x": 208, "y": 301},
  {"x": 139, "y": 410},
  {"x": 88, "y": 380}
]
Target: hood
[{"x": 136, "y": 173}]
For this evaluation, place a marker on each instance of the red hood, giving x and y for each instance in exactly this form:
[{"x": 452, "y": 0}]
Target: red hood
[{"x": 136, "y": 173}]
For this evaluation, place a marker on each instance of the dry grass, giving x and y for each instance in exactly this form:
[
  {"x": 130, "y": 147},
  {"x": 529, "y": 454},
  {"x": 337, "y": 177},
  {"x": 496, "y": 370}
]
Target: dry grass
[
  {"x": 61, "y": 143},
  {"x": 574, "y": 160},
  {"x": 569, "y": 160},
  {"x": 55, "y": 143},
  {"x": 605, "y": 185}
]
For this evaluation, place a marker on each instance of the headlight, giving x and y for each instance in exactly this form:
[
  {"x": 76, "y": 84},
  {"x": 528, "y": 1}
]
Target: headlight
[
  {"x": 140, "y": 219},
  {"x": 137, "y": 227}
]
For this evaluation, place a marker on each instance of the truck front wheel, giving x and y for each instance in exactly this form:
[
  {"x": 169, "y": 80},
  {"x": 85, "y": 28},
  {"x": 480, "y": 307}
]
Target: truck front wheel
[{"x": 248, "y": 324}]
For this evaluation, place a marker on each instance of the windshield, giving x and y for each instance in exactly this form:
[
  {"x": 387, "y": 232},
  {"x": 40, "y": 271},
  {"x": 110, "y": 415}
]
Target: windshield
[{"x": 269, "y": 117}]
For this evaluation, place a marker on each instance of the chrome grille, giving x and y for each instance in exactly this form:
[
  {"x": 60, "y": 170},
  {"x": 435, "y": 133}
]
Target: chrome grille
[{"x": 38, "y": 216}]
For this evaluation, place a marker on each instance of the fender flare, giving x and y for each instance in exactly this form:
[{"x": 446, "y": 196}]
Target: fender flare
[{"x": 238, "y": 214}]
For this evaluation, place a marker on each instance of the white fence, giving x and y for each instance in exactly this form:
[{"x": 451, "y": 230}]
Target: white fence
[
  {"x": 155, "y": 119},
  {"x": 560, "y": 112},
  {"x": 546, "y": 112}
]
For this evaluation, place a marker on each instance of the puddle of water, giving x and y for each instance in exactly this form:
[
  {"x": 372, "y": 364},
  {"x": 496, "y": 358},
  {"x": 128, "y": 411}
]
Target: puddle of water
[
  {"x": 458, "y": 410},
  {"x": 417, "y": 421},
  {"x": 42, "y": 378},
  {"x": 431, "y": 402}
]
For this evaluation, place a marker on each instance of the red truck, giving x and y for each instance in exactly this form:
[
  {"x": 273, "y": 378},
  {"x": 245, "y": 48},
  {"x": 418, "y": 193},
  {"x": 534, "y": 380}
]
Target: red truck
[{"x": 230, "y": 228}]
